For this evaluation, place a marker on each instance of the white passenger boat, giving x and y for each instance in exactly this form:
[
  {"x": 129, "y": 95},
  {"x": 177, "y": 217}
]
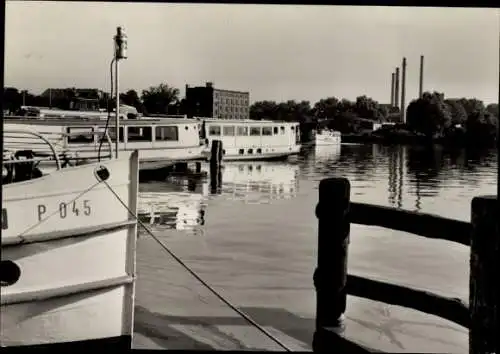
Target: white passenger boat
[
  {"x": 253, "y": 139},
  {"x": 161, "y": 142},
  {"x": 68, "y": 256},
  {"x": 328, "y": 137}
]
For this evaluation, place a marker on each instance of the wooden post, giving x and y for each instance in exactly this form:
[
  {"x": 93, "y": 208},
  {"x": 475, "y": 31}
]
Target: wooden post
[
  {"x": 215, "y": 166},
  {"x": 484, "y": 291},
  {"x": 330, "y": 276}
]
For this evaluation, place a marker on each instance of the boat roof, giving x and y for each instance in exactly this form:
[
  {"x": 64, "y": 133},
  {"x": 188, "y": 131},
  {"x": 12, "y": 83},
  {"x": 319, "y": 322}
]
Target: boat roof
[
  {"x": 78, "y": 121},
  {"x": 246, "y": 121}
]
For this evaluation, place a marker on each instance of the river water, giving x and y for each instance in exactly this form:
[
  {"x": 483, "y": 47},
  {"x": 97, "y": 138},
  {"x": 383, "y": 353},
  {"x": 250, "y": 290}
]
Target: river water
[{"x": 255, "y": 239}]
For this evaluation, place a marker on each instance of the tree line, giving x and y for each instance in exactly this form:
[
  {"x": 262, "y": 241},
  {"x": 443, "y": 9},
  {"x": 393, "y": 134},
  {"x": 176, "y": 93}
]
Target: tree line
[{"x": 432, "y": 116}]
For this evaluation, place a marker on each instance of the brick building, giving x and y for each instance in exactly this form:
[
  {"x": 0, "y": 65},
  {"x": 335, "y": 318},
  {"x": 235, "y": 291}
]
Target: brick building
[{"x": 207, "y": 101}]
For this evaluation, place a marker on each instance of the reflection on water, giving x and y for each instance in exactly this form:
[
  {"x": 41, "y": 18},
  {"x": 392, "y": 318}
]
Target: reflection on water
[
  {"x": 414, "y": 178},
  {"x": 259, "y": 182},
  {"x": 181, "y": 202},
  {"x": 174, "y": 204}
]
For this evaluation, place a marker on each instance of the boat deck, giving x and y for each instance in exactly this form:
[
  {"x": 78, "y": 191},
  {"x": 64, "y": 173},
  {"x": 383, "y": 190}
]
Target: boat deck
[{"x": 174, "y": 311}]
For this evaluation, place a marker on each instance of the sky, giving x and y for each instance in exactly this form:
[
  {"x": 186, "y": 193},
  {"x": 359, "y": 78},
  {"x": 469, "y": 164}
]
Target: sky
[{"x": 275, "y": 52}]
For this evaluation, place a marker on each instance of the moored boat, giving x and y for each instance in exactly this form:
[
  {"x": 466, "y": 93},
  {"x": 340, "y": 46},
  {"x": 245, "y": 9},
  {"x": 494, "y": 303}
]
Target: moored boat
[
  {"x": 161, "y": 142},
  {"x": 253, "y": 139},
  {"x": 68, "y": 256},
  {"x": 328, "y": 137}
]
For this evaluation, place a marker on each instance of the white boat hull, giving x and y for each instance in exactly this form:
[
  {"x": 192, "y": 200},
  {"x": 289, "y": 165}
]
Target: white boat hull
[
  {"x": 268, "y": 153},
  {"x": 74, "y": 243}
]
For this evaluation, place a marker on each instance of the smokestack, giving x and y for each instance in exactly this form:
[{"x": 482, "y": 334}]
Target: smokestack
[
  {"x": 403, "y": 89},
  {"x": 421, "y": 85},
  {"x": 393, "y": 77},
  {"x": 396, "y": 89}
]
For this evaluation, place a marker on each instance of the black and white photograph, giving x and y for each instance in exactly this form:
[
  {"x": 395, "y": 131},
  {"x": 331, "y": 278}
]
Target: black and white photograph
[{"x": 250, "y": 177}]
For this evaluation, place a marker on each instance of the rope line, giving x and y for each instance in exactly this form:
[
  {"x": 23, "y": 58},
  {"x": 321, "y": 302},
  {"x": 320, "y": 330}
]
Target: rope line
[{"x": 197, "y": 277}]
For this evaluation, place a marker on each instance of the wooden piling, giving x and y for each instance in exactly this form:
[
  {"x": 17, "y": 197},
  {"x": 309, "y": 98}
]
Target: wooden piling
[
  {"x": 330, "y": 276},
  {"x": 215, "y": 166},
  {"x": 484, "y": 291}
]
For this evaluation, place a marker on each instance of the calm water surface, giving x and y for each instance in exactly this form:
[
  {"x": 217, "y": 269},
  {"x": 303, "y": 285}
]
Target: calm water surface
[{"x": 255, "y": 238}]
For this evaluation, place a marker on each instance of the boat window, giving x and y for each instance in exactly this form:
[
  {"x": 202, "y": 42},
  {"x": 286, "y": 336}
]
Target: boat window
[
  {"x": 275, "y": 130},
  {"x": 282, "y": 129},
  {"x": 267, "y": 131},
  {"x": 214, "y": 130},
  {"x": 112, "y": 134},
  {"x": 228, "y": 130},
  {"x": 85, "y": 137},
  {"x": 254, "y": 131},
  {"x": 139, "y": 133},
  {"x": 242, "y": 131},
  {"x": 169, "y": 133}
]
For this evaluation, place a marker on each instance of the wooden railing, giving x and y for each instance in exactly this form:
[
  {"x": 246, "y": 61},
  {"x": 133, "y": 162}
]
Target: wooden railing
[{"x": 335, "y": 213}]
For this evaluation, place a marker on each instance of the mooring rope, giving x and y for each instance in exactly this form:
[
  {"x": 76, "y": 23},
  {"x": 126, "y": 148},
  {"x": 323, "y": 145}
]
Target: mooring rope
[{"x": 197, "y": 277}]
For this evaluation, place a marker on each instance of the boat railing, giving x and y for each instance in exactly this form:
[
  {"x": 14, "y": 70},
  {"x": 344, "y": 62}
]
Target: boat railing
[
  {"x": 336, "y": 212},
  {"x": 49, "y": 146}
]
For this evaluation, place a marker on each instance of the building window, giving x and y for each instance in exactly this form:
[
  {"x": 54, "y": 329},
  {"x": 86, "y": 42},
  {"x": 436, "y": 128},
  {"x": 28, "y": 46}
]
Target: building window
[
  {"x": 139, "y": 133},
  {"x": 254, "y": 131},
  {"x": 259, "y": 151},
  {"x": 228, "y": 130},
  {"x": 250, "y": 151},
  {"x": 242, "y": 131},
  {"x": 214, "y": 130},
  {"x": 282, "y": 129},
  {"x": 267, "y": 131},
  {"x": 275, "y": 130},
  {"x": 241, "y": 151},
  {"x": 170, "y": 133}
]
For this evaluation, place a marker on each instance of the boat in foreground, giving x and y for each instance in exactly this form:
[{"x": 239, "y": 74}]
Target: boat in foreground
[
  {"x": 253, "y": 139},
  {"x": 68, "y": 256}
]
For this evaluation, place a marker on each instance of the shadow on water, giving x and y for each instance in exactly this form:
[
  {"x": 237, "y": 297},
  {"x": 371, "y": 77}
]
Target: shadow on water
[{"x": 161, "y": 328}]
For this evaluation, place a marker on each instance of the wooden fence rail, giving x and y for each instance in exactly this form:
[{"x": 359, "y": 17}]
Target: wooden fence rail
[{"x": 335, "y": 213}]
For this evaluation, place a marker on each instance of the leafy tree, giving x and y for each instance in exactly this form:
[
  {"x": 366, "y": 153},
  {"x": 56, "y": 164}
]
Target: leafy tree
[
  {"x": 366, "y": 107},
  {"x": 457, "y": 111},
  {"x": 12, "y": 99},
  {"x": 326, "y": 108},
  {"x": 429, "y": 115},
  {"x": 493, "y": 109},
  {"x": 131, "y": 98},
  {"x": 157, "y": 99},
  {"x": 264, "y": 110}
]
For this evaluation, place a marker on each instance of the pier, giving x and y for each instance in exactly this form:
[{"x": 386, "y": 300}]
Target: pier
[{"x": 333, "y": 283}]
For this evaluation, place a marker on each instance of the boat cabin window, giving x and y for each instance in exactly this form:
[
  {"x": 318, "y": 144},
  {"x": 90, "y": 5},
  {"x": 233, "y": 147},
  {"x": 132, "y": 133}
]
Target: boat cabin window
[
  {"x": 86, "y": 136},
  {"x": 112, "y": 134},
  {"x": 214, "y": 130},
  {"x": 254, "y": 131},
  {"x": 267, "y": 131},
  {"x": 282, "y": 130},
  {"x": 169, "y": 133},
  {"x": 228, "y": 130},
  {"x": 242, "y": 131},
  {"x": 275, "y": 130},
  {"x": 139, "y": 133}
]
